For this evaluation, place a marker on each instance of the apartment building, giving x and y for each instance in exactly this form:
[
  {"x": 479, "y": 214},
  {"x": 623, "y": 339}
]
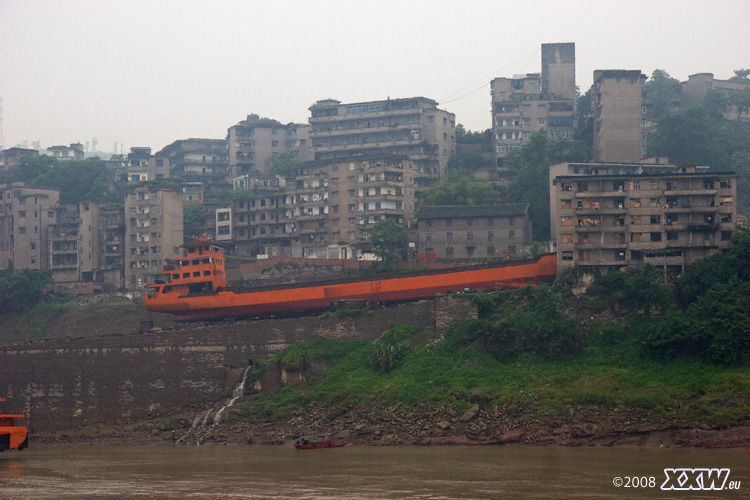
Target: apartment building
[
  {"x": 255, "y": 143},
  {"x": 140, "y": 166},
  {"x": 25, "y": 215},
  {"x": 530, "y": 102},
  {"x": 153, "y": 232},
  {"x": 329, "y": 210},
  {"x": 108, "y": 260},
  {"x": 473, "y": 232},
  {"x": 198, "y": 160},
  {"x": 414, "y": 128},
  {"x": 695, "y": 88},
  {"x": 619, "y": 116},
  {"x": 606, "y": 215},
  {"x": 67, "y": 153},
  {"x": 12, "y": 156}
]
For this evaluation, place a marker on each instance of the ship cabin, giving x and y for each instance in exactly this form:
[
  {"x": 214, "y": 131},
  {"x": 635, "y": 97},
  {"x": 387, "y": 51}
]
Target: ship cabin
[{"x": 200, "y": 270}]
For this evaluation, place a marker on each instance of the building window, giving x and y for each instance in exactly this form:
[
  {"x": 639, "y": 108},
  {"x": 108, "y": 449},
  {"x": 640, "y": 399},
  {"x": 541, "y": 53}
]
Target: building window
[
  {"x": 673, "y": 235},
  {"x": 655, "y": 219},
  {"x": 469, "y": 236},
  {"x": 449, "y": 251},
  {"x": 655, "y": 237},
  {"x": 449, "y": 236},
  {"x": 619, "y": 255},
  {"x": 21, "y": 230},
  {"x": 726, "y": 235},
  {"x": 511, "y": 235},
  {"x": 567, "y": 255},
  {"x": 490, "y": 235},
  {"x": 490, "y": 250}
]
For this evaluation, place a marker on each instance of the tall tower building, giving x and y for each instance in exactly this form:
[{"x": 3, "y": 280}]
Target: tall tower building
[
  {"x": 530, "y": 102},
  {"x": 619, "y": 116}
]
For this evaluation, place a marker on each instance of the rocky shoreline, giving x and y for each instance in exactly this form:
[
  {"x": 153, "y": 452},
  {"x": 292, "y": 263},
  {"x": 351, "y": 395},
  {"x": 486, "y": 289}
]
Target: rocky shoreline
[{"x": 374, "y": 424}]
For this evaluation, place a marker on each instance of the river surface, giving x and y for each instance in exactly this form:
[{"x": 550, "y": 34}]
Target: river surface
[{"x": 355, "y": 472}]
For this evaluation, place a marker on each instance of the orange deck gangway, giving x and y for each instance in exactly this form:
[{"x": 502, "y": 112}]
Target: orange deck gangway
[{"x": 195, "y": 286}]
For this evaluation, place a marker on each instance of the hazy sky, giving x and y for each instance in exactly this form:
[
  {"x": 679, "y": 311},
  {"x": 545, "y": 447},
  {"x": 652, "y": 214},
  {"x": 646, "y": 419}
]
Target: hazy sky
[{"x": 146, "y": 73}]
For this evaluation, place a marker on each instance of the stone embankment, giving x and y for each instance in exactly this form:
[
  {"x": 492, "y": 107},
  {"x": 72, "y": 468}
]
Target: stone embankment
[{"x": 392, "y": 425}]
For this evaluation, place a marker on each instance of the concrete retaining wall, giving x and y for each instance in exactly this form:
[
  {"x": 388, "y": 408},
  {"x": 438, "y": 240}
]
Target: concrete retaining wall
[{"x": 64, "y": 384}]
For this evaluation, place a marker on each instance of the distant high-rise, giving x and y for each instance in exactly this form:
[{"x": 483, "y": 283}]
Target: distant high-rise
[
  {"x": 413, "y": 128},
  {"x": 525, "y": 104},
  {"x": 255, "y": 143},
  {"x": 619, "y": 116}
]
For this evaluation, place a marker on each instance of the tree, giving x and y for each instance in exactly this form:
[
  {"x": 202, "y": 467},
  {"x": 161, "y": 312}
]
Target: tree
[
  {"x": 76, "y": 180},
  {"x": 691, "y": 137},
  {"x": 484, "y": 137},
  {"x": 284, "y": 164},
  {"x": 529, "y": 183},
  {"x": 659, "y": 91},
  {"x": 28, "y": 169},
  {"x": 740, "y": 75},
  {"x": 23, "y": 290},
  {"x": 465, "y": 162},
  {"x": 461, "y": 189},
  {"x": 192, "y": 220},
  {"x": 388, "y": 239},
  {"x": 741, "y": 99}
]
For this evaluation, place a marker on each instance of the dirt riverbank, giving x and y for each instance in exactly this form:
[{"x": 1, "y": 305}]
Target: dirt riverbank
[{"x": 380, "y": 425}]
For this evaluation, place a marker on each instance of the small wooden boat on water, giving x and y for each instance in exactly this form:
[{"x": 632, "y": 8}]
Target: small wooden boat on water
[
  {"x": 12, "y": 436},
  {"x": 318, "y": 443}
]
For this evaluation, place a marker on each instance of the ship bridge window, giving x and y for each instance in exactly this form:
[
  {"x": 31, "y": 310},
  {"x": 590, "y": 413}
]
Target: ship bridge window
[
  {"x": 166, "y": 289},
  {"x": 176, "y": 276},
  {"x": 195, "y": 262},
  {"x": 196, "y": 274},
  {"x": 206, "y": 273},
  {"x": 206, "y": 260},
  {"x": 185, "y": 275}
]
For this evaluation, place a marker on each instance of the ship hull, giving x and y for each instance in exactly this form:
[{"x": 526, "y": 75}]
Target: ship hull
[{"x": 228, "y": 303}]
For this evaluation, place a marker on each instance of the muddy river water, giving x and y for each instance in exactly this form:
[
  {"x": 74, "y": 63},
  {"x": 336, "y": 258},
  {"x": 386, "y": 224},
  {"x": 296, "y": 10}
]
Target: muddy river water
[{"x": 360, "y": 472}]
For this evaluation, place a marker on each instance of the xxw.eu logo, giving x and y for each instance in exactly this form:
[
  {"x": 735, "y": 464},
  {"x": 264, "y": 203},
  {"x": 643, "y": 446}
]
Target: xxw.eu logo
[{"x": 698, "y": 479}]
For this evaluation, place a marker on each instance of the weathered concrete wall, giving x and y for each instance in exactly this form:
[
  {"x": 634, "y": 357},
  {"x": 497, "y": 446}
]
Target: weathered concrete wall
[{"x": 64, "y": 384}]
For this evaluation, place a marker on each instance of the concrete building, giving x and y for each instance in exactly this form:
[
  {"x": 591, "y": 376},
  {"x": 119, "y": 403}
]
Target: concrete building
[
  {"x": 618, "y": 215},
  {"x": 695, "y": 88},
  {"x": 414, "y": 128},
  {"x": 619, "y": 116},
  {"x": 527, "y": 103},
  {"x": 141, "y": 166},
  {"x": 153, "y": 232},
  {"x": 198, "y": 160},
  {"x": 67, "y": 153},
  {"x": 471, "y": 232},
  {"x": 12, "y": 156},
  {"x": 25, "y": 215},
  {"x": 328, "y": 211},
  {"x": 255, "y": 143}
]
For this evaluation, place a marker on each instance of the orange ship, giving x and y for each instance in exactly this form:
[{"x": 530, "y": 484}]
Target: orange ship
[
  {"x": 12, "y": 436},
  {"x": 196, "y": 287}
]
